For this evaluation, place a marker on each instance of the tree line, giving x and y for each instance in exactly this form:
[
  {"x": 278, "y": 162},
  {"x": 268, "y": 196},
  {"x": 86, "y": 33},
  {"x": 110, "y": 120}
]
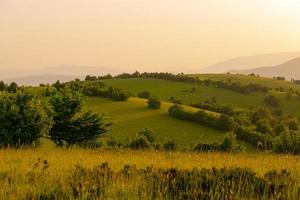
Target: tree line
[{"x": 230, "y": 85}]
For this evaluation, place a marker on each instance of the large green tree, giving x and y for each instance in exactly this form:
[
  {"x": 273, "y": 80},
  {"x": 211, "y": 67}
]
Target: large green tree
[
  {"x": 23, "y": 120},
  {"x": 70, "y": 126}
]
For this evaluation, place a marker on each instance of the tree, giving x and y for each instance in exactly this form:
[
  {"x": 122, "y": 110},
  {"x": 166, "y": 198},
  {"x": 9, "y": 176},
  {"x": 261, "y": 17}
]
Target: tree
[
  {"x": 12, "y": 88},
  {"x": 226, "y": 123},
  {"x": 154, "y": 103},
  {"x": 69, "y": 126},
  {"x": 144, "y": 95},
  {"x": 3, "y": 86},
  {"x": 263, "y": 126},
  {"x": 23, "y": 120}
]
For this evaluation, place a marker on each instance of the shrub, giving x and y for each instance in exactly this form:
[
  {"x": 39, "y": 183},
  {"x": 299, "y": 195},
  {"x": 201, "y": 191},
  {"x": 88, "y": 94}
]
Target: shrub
[
  {"x": 226, "y": 123},
  {"x": 170, "y": 145},
  {"x": 147, "y": 134},
  {"x": 140, "y": 142},
  {"x": 272, "y": 101},
  {"x": 154, "y": 103},
  {"x": 144, "y": 95},
  {"x": 23, "y": 120},
  {"x": 12, "y": 87},
  {"x": 222, "y": 122},
  {"x": 119, "y": 94},
  {"x": 229, "y": 143}
]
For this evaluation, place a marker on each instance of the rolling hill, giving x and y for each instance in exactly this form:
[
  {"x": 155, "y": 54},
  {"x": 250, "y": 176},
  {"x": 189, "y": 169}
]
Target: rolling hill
[
  {"x": 248, "y": 62},
  {"x": 290, "y": 69}
]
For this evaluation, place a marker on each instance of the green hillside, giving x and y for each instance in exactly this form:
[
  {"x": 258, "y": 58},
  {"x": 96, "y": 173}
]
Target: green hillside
[
  {"x": 246, "y": 79},
  {"x": 131, "y": 116},
  {"x": 183, "y": 92}
]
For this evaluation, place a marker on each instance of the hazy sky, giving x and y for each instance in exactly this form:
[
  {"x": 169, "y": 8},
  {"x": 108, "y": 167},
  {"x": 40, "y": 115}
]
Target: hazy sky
[{"x": 143, "y": 34}]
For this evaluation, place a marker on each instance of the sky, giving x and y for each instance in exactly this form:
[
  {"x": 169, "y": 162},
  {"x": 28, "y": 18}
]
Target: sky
[{"x": 143, "y": 34}]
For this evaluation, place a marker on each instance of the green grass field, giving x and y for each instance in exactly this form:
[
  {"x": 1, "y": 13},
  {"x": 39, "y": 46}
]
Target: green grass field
[
  {"x": 182, "y": 91},
  {"x": 133, "y": 115},
  {"x": 245, "y": 79}
]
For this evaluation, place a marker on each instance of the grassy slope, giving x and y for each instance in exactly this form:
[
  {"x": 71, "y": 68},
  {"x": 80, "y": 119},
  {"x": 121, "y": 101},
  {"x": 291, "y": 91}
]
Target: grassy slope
[
  {"x": 245, "y": 79},
  {"x": 133, "y": 115},
  {"x": 166, "y": 89}
]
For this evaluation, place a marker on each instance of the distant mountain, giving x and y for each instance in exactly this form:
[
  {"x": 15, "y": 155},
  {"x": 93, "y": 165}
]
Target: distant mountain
[
  {"x": 52, "y": 74},
  {"x": 290, "y": 69},
  {"x": 42, "y": 78},
  {"x": 248, "y": 62}
]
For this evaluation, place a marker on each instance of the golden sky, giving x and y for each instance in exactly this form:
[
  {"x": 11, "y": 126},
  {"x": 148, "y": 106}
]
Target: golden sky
[{"x": 143, "y": 34}]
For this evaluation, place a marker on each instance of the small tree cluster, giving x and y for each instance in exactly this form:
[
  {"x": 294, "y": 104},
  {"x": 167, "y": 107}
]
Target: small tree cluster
[
  {"x": 222, "y": 122},
  {"x": 144, "y": 95},
  {"x": 11, "y": 88},
  {"x": 154, "y": 103}
]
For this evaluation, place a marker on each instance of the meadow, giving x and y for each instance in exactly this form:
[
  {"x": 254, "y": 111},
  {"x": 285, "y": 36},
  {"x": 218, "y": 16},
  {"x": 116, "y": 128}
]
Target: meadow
[
  {"x": 45, "y": 173},
  {"x": 131, "y": 116},
  {"x": 165, "y": 89}
]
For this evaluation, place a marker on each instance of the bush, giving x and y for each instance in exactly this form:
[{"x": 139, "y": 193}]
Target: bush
[
  {"x": 154, "y": 103},
  {"x": 119, "y": 94},
  {"x": 222, "y": 122},
  {"x": 144, "y": 95},
  {"x": 226, "y": 123},
  {"x": 171, "y": 145},
  {"x": 70, "y": 127},
  {"x": 147, "y": 134},
  {"x": 229, "y": 143},
  {"x": 272, "y": 101},
  {"x": 23, "y": 120},
  {"x": 12, "y": 88},
  {"x": 140, "y": 142}
]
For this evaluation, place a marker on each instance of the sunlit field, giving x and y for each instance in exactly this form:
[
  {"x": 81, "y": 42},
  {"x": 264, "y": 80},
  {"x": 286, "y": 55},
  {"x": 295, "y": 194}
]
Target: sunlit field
[{"x": 44, "y": 173}]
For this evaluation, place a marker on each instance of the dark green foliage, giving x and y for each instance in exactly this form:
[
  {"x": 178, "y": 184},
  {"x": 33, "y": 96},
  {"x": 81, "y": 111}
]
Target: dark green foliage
[
  {"x": 287, "y": 142},
  {"x": 119, "y": 94},
  {"x": 272, "y": 101},
  {"x": 144, "y": 140},
  {"x": 229, "y": 143},
  {"x": 23, "y": 120},
  {"x": 12, "y": 87},
  {"x": 3, "y": 86},
  {"x": 70, "y": 127},
  {"x": 148, "y": 134},
  {"x": 213, "y": 106},
  {"x": 222, "y": 122},
  {"x": 144, "y": 95},
  {"x": 171, "y": 145},
  {"x": 97, "y": 90},
  {"x": 154, "y": 103},
  {"x": 263, "y": 126},
  {"x": 252, "y": 137},
  {"x": 226, "y": 123},
  {"x": 58, "y": 85},
  {"x": 140, "y": 142}
]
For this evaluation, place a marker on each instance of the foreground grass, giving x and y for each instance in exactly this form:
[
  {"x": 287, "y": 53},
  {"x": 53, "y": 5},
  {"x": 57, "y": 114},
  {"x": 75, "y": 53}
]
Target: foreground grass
[
  {"x": 72, "y": 174},
  {"x": 62, "y": 160}
]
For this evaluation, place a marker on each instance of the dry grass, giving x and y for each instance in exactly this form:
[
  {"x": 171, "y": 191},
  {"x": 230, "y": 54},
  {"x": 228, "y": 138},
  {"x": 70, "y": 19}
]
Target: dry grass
[{"x": 61, "y": 160}]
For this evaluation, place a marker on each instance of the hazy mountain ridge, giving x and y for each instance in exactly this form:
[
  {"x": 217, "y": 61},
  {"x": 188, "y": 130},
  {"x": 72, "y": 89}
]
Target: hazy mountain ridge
[
  {"x": 249, "y": 62},
  {"x": 52, "y": 74},
  {"x": 289, "y": 69}
]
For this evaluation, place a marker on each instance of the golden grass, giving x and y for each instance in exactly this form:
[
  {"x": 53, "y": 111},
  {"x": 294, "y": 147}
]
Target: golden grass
[{"x": 62, "y": 160}]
